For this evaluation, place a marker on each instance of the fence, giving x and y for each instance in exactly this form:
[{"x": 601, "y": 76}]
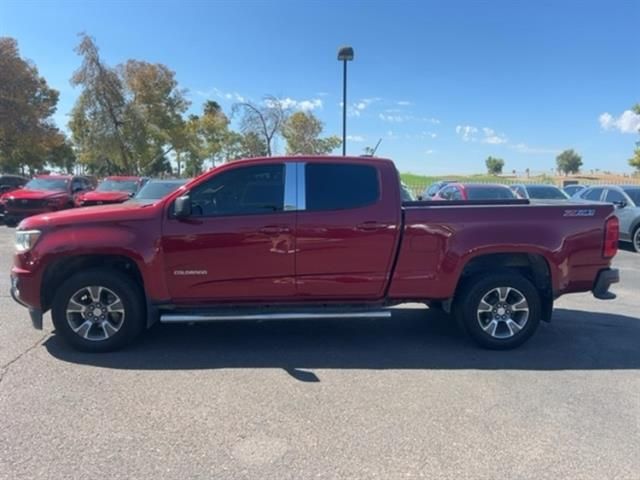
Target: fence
[{"x": 419, "y": 187}]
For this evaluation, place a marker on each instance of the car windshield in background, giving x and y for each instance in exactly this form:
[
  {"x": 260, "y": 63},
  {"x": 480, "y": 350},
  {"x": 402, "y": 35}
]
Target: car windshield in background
[
  {"x": 157, "y": 189},
  {"x": 47, "y": 184},
  {"x": 489, "y": 193},
  {"x": 118, "y": 186},
  {"x": 542, "y": 192},
  {"x": 634, "y": 194}
]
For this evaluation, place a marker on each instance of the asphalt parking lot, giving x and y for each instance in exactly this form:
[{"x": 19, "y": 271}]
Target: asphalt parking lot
[{"x": 408, "y": 397}]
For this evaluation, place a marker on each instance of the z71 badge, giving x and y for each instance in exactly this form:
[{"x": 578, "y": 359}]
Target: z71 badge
[{"x": 580, "y": 212}]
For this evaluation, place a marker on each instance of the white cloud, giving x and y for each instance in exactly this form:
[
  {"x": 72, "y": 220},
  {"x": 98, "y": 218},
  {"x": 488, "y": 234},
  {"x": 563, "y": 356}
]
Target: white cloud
[
  {"x": 469, "y": 133},
  {"x": 490, "y": 136},
  {"x": 628, "y": 122},
  {"x": 302, "y": 105},
  {"x": 355, "y": 138},
  {"x": 430, "y": 152},
  {"x": 232, "y": 96},
  {"x": 356, "y": 108},
  {"x": 393, "y": 118},
  {"x": 404, "y": 103},
  {"x": 405, "y": 118}
]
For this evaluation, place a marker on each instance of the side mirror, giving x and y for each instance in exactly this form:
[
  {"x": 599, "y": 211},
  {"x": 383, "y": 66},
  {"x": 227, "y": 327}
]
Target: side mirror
[
  {"x": 182, "y": 207},
  {"x": 620, "y": 204}
]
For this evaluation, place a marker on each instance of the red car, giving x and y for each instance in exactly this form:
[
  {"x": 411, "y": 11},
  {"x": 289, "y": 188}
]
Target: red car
[
  {"x": 307, "y": 238},
  {"x": 474, "y": 191},
  {"x": 43, "y": 194},
  {"x": 111, "y": 190}
]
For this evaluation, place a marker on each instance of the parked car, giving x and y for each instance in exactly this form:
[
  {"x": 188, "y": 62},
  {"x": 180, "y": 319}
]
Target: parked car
[
  {"x": 307, "y": 237},
  {"x": 434, "y": 188},
  {"x": 571, "y": 190},
  {"x": 626, "y": 199},
  {"x": 155, "y": 190},
  {"x": 539, "y": 192},
  {"x": 475, "y": 191},
  {"x": 9, "y": 183},
  {"x": 115, "y": 189},
  {"x": 405, "y": 194},
  {"x": 43, "y": 194}
]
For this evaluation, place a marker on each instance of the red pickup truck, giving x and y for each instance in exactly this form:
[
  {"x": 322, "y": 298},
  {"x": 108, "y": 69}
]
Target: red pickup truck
[{"x": 300, "y": 237}]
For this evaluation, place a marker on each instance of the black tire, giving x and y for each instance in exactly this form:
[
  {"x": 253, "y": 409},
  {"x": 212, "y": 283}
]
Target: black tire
[
  {"x": 635, "y": 239},
  {"x": 509, "y": 333},
  {"x": 129, "y": 323}
]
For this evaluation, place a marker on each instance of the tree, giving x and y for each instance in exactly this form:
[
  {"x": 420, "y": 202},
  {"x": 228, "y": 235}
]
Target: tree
[
  {"x": 62, "y": 156},
  {"x": 129, "y": 116},
  {"x": 264, "y": 120},
  {"x": 635, "y": 160},
  {"x": 27, "y": 132},
  {"x": 302, "y": 132},
  {"x": 569, "y": 162},
  {"x": 494, "y": 165}
]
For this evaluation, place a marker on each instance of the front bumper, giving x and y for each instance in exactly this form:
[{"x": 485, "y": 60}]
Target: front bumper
[
  {"x": 34, "y": 313},
  {"x": 606, "y": 277}
]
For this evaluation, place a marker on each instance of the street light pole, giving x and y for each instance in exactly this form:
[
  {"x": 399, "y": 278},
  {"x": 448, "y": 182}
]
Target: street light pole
[{"x": 345, "y": 54}]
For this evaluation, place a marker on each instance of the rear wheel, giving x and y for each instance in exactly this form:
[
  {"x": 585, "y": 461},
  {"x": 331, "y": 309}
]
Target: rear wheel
[
  {"x": 499, "y": 311},
  {"x": 98, "y": 310}
]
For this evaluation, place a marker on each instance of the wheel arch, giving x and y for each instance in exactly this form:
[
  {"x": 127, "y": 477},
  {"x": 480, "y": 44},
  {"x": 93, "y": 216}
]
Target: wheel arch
[
  {"x": 62, "y": 268},
  {"x": 533, "y": 266}
]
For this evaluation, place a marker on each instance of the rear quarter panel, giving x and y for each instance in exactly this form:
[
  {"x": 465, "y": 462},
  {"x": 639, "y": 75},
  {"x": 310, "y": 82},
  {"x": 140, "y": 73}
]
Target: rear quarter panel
[{"x": 439, "y": 241}]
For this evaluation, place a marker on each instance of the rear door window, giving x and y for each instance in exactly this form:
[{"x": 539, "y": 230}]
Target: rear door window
[
  {"x": 593, "y": 194},
  {"x": 335, "y": 186}
]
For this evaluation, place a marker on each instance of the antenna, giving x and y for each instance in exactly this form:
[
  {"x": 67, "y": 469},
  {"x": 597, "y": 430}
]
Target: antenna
[{"x": 373, "y": 154}]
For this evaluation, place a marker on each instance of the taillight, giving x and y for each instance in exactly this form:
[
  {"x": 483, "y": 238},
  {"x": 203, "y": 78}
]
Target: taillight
[{"x": 611, "y": 237}]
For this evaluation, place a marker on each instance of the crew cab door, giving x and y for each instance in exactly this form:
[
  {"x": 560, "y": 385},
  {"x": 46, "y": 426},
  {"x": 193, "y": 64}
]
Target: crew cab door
[
  {"x": 347, "y": 229},
  {"x": 238, "y": 243}
]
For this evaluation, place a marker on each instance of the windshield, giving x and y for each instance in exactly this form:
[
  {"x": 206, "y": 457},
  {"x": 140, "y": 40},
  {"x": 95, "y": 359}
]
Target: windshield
[
  {"x": 489, "y": 193},
  {"x": 118, "y": 186},
  {"x": 543, "y": 192},
  {"x": 47, "y": 184},
  {"x": 155, "y": 190},
  {"x": 634, "y": 194}
]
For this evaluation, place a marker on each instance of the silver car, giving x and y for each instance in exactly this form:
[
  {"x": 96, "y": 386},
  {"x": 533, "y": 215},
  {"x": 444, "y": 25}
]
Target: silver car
[{"x": 626, "y": 198}]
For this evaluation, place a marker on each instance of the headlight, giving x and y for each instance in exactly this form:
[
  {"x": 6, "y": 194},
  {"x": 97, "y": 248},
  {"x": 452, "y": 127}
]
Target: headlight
[{"x": 26, "y": 239}]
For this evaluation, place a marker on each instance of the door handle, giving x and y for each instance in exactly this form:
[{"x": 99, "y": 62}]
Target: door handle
[
  {"x": 274, "y": 229},
  {"x": 370, "y": 226}
]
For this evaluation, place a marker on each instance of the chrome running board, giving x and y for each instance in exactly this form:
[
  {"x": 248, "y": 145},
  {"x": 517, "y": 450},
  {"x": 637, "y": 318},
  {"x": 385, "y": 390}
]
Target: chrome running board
[{"x": 215, "y": 317}]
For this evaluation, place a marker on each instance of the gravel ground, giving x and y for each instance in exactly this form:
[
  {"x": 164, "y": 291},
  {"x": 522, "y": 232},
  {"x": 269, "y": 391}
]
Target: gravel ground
[{"x": 407, "y": 397}]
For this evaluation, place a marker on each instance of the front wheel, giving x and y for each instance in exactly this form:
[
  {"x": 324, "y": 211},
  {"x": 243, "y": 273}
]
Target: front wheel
[
  {"x": 635, "y": 239},
  {"x": 499, "y": 311},
  {"x": 98, "y": 311}
]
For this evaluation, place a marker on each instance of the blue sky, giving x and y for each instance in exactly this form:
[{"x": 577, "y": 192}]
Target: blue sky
[{"x": 444, "y": 84}]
